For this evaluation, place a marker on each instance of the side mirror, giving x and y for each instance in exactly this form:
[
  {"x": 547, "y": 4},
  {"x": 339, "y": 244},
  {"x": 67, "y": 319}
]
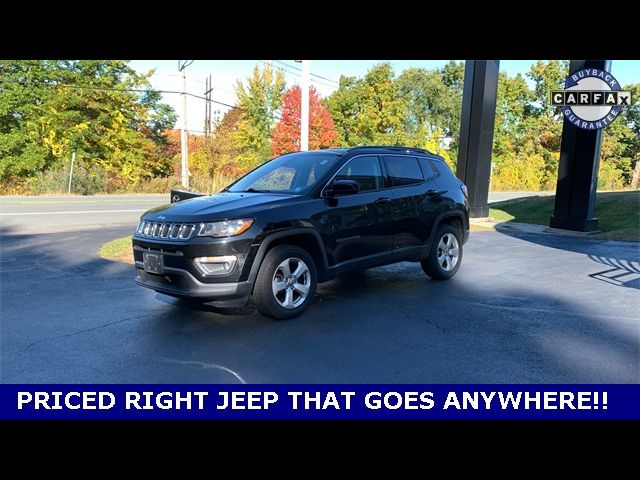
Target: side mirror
[{"x": 342, "y": 187}]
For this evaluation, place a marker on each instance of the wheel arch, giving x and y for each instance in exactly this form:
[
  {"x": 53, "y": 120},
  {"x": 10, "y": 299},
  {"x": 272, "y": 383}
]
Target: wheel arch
[
  {"x": 306, "y": 238},
  {"x": 454, "y": 218}
]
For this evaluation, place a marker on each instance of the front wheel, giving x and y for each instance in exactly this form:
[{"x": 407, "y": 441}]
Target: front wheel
[
  {"x": 446, "y": 254},
  {"x": 286, "y": 282}
]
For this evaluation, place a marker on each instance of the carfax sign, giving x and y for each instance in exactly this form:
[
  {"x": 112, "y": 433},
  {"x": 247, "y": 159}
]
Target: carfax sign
[{"x": 592, "y": 98}]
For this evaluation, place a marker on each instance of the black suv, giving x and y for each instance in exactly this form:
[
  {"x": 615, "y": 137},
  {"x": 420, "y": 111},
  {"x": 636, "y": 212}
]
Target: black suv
[{"x": 301, "y": 219}]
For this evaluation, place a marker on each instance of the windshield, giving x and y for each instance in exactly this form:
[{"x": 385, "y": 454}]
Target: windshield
[{"x": 292, "y": 173}]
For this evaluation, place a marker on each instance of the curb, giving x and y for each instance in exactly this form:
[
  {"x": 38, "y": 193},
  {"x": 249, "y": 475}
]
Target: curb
[{"x": 487, "y": 224}]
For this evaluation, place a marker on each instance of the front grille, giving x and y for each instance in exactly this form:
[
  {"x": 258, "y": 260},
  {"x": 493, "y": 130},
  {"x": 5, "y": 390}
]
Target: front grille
[{"x": 171, "y": 231}]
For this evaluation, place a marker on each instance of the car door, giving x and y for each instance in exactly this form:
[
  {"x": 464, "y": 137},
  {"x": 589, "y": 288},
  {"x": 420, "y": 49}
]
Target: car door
[
  {"x": 358, "y": 226},
  {"x": 415, "y": 204}
]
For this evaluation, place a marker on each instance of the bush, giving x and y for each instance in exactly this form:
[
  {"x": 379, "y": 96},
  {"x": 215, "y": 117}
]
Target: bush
[
  {"x": 165, "y": 184},
  {"x": 213, "y": 184},
  {"x": 96, "y": 180},
  {"x": 153, "y": 185},
  {"x": 87, "y": 180},
  {"x": 610, "y": 177},
  {"x": 14, "y": 186},
  {"x": 518, "y": 173}
]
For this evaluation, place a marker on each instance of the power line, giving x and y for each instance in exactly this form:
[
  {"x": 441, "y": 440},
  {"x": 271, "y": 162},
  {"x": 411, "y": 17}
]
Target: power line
[
  {"x": 140, "y": 90},
  {"x": 134, "y": 90},
  {"x": 216, "y": 87},
  {"x": 312, "y": 74},
  {"x": 297, "y": 74},
  {"x": 183, "y": 65}
]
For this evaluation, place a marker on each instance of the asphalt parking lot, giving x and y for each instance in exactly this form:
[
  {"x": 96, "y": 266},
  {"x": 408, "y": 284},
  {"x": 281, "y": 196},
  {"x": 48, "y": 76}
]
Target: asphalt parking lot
[{"x": 523, "y": 308}]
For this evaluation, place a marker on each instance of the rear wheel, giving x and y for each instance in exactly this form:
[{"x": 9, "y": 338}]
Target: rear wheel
[
  {"x": 446, "y": 254},
  {"x": 286, "y": 282}
]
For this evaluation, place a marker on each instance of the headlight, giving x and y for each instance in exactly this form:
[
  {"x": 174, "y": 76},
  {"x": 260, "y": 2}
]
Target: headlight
[{"x": 226, "y": 228}]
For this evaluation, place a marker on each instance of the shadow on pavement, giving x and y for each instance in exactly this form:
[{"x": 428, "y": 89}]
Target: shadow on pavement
[
  {"x": 624, "y": 273},
  {"x": 68, "y": 316},
  {"x": 623, "y": 258}
]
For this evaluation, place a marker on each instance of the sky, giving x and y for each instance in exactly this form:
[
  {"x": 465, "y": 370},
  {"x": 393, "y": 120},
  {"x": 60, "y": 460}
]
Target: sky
[{"x": 325, "y": 75}]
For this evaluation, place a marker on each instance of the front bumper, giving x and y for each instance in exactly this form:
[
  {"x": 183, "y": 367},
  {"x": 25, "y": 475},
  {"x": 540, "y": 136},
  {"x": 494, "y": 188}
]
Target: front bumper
[
  {"x": 180, "y": 276},
  {"x": 180, "y": 283}
]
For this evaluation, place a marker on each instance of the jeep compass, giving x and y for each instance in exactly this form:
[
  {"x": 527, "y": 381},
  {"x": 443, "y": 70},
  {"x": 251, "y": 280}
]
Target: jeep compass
[{"x": 301, "y": 219}]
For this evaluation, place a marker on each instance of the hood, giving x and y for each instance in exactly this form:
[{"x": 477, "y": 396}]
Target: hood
[{"x": 219, "y": 206}]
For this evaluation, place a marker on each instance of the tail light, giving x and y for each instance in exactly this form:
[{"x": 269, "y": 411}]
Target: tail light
[{"x": 465, "y": 192}]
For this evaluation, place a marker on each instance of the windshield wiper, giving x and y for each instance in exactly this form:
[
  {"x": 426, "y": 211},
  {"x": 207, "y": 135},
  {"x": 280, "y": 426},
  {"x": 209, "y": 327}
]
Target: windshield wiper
[{"x": 255, "y": 190}]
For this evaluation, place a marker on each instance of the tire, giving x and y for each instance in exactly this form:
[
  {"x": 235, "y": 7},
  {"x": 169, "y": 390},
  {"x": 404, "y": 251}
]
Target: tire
[
  {"x": 276, "y": 293},
  {"x": 442, "y": 263}
]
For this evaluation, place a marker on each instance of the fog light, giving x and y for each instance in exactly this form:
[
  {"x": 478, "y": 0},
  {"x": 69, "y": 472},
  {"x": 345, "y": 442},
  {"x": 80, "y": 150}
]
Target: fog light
[{"x": 216, "y": 265}]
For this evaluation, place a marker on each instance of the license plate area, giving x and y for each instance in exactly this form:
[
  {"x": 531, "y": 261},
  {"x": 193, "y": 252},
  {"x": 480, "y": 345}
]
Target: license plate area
[{"x": 152, "y": 262}]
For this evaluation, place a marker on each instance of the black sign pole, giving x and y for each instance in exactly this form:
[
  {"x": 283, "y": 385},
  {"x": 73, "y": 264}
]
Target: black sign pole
[
  {"x": 578, "y": 169},
  {"x": 476, "y": 132}
]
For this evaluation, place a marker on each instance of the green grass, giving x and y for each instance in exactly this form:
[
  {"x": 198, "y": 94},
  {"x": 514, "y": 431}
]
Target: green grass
[
  {"x": 618, "y": 213},
  {"x": 118, "y": 250}
]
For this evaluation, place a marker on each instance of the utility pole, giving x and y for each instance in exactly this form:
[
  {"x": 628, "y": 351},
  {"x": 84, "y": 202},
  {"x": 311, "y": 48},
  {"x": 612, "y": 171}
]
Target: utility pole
[
  {"x": 207, "y": 108},
  {"x": 73, "y": 160},
  {"x": 304, "y": 107},
  {"x": 184, "y": 132}
]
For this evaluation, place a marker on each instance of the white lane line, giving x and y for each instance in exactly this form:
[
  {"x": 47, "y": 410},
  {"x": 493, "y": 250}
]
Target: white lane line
[
  {"x": 70, "y": 212},
  {"x": 48, "y": 202}
]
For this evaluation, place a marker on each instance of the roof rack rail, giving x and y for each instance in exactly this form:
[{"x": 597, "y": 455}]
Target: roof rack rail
[{"x": 393, "y": 148}]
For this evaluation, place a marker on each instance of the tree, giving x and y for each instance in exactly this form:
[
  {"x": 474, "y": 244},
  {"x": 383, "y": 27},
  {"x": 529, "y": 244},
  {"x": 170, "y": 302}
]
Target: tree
[
  {"x": 548, "y": 76},
  {"x": 258, "y": 101},
  {"x": 51, "y": 108},
  {"x": 513, "y": 103},
  {"x": 433, "y": 100},
  {"x": 345, "y": 105},
  {"x": 631, "y": 116},
  {"x": 453, "y": 76},
  {"x": 369, "y": 110},
  {"x": 221, "y": 152},
  {"x": 286, "y": 135}
]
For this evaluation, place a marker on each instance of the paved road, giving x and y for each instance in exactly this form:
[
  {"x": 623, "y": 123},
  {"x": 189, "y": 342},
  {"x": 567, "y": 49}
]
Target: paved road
[
  {"x": 38, "y": 214},
  {"x": 51, "y": 213},
  {"x": 523, "y": 308}
]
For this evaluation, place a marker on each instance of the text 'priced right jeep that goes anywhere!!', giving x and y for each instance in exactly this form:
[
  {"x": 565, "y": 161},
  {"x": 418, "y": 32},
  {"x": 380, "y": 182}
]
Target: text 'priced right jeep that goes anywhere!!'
[{"x": 301, "y": 219}]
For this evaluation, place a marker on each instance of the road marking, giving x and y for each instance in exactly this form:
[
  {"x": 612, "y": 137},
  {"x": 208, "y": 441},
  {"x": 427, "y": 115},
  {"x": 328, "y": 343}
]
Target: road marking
[
  {"x": 206, "y": 366},
  {"x": 15, "y": 214},
  {"x": 150, "y": 200}
]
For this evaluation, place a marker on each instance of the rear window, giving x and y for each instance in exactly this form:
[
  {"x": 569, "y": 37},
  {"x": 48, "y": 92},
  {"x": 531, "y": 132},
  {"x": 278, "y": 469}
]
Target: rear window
[
  {"x": 403, "y": 170},
  {"x": 428, "y": 168}
]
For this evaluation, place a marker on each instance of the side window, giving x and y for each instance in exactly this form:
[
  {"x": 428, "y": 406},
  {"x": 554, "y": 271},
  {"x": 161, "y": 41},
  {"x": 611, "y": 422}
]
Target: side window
[
  {"x": 428, "y": 168},
  {"x": 403, "y": 170},
  {"x": 364, "y": 170}
]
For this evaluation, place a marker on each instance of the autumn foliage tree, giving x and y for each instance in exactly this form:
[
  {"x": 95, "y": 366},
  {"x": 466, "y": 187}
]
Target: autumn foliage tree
[{"x": 285, "y": 137}]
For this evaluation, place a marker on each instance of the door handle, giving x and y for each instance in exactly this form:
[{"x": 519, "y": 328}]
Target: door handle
[
  {"x": 432, "y": 193},
  {"x": 382, "y": 200}
]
